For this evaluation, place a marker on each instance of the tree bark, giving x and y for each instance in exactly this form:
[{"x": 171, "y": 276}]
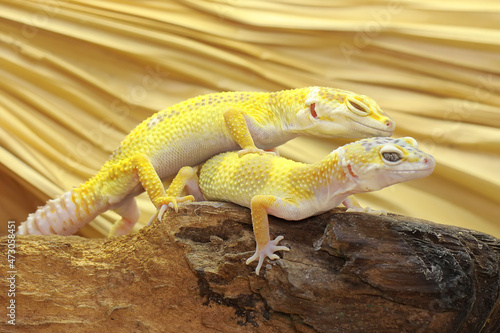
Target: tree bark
[{"x": 345, "y": 272}]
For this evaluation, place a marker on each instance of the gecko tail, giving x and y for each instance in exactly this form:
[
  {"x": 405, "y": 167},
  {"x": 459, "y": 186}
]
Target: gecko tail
[{"x": 61, "y": 216}]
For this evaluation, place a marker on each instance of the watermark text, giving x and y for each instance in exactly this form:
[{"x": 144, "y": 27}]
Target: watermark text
[{"x": 11, "y": 273}]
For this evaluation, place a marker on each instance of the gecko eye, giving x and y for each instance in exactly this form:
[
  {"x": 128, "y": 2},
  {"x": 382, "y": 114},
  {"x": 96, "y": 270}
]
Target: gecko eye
[
  {"x": 391, "y": 155},
  {"x": 358, "y": 107}
]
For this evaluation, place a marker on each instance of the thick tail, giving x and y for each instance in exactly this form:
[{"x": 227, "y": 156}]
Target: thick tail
[{"x": 63, "y": 215}]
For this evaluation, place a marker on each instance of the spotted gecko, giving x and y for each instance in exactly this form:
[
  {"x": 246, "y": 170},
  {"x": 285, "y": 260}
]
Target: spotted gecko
[
  {"x": 294, "y": 191},
  {"x": 192, "y": 131}
]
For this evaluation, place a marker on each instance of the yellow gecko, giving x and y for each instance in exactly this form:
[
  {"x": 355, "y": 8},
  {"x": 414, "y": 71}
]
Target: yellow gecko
[
  {"x": 294, "y": 191},
  {"x": 192, "y": 131}
]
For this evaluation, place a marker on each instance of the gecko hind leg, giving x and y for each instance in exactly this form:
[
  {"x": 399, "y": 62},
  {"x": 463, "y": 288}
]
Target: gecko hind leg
[
  {"x": 129, "y": 211},
  {"x": 172, "y": 195}
]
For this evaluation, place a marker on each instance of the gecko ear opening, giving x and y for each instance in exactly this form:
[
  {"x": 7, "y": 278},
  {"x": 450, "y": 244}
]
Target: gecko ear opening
[
  {"x": 312, "y": 108},
  {"x": 411, "y": 141}
]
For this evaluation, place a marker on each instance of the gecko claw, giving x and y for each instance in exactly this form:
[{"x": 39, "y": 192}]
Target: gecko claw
[
  {"x": 170, "y": 202},
  {"x": 161, "y": 211}
]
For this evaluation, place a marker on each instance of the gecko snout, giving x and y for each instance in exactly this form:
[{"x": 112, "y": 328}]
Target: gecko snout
[{"x": 390, "y": 125}]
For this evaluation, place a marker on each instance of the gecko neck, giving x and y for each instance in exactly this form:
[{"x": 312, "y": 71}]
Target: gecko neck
[
  {"x": 285, "y": 105},
  {"x": 330, "y": 178}
]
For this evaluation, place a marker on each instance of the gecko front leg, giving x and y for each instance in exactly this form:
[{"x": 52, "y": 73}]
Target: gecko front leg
[
  {"x": 238, "y": 128},
  {"x": 260, "y": 222},
  {"x": 353, "y": 206}
]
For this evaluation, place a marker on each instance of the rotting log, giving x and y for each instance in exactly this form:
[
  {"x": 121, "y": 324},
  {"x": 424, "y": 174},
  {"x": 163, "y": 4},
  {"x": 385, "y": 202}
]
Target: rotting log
[{"x": 345, "y": 272}]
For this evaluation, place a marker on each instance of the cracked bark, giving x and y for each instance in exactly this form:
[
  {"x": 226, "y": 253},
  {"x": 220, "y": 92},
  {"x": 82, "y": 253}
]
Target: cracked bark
[{"x": 344, "y": 273}]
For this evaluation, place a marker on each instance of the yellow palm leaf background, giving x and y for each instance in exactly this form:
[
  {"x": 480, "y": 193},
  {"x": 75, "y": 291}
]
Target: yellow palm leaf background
[{"x": 77, "y": 76}]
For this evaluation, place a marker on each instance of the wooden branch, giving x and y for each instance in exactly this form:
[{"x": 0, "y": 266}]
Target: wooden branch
[{"x": 345, "y": 272}]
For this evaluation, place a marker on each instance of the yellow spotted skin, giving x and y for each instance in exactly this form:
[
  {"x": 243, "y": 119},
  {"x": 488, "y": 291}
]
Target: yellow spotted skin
[
  {"x": 293, "y": 191},
  {"x": 189, "y": 133}
]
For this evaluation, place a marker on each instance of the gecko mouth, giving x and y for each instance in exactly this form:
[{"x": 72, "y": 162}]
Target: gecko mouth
[
  {"x": 383, "y": 130},
  {"x": 413, "y": 171}
]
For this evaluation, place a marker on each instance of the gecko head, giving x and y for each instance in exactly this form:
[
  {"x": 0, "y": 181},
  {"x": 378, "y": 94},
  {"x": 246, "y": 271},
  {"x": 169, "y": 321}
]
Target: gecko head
[
  {"x": 372, "y": 164},
  {"x": 330, "y": 113}
]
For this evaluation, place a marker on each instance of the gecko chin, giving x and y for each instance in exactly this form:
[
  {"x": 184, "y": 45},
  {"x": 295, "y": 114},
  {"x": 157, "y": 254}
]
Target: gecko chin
[{"x": 404, "y": 175}]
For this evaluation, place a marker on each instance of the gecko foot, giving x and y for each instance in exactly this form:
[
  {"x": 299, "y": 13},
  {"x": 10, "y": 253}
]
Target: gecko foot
[
  {"x": 254, "y": 151},
  {"x": 267, "y": 251},
  {"x": 165, "y": 202},
  {"x": 367, "y": 210},
  {"x": 122, "y": 227}
]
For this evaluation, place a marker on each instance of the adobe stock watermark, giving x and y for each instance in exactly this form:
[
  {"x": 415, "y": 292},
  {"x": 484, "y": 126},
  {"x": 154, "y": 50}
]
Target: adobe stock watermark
[
  {"x": 31, "y": 27},
  {"x": 224, "y": 7},
  {"x": 11, "y": 273},
  {"x": 153, "y": 78},
  {"x": 463, "y": 110},
  {"x": 371, "y": 30}
]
